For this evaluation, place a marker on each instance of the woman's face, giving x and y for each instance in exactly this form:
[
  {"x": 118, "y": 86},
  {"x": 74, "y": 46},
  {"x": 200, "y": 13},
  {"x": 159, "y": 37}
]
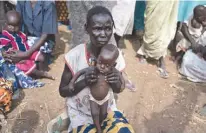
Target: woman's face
[{"x": 100, "y": 29}]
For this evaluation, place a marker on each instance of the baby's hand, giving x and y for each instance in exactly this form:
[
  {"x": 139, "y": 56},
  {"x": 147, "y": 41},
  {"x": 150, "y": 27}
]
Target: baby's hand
[{"x": 71, "y": 87}]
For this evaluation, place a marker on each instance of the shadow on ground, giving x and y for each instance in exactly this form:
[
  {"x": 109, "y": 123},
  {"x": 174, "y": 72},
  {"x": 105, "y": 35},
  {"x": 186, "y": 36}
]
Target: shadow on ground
[
  {"x": 175, "y": 117},
  {"x": 26, "y": 122},
  {"x": 18, "y": 101}
]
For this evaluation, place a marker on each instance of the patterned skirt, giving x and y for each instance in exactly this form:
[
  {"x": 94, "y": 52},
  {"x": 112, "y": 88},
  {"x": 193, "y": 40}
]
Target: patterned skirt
[{"x": 114, "y": 123}]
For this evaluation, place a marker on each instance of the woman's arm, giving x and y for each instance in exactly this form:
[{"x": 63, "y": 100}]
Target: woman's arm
[
  {"x": 116, "y": 81},
  {"x": 37, "y": 45},
  {"x": 75, "y": 77},
  {"x": 64, "y": 84},
  {"x": 49, "y": 25},
  {"x": 187, "y": 35},
  {"x": 19, "y": 55}
]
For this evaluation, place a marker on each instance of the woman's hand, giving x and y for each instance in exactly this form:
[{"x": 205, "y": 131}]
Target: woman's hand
[
  {"x": 91, "y": 75},
  {"x": 113, "y": 76},
  {"x": 16, "y": 56},
  {"x": 116, "y": 80}
]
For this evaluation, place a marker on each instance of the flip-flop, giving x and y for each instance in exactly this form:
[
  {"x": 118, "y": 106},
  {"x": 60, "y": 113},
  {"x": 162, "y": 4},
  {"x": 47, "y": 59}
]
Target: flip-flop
[
  {"x": 142, "y": 61},
  {"x": 163, "y": 74},
  {"x": 129, "y": 85}
]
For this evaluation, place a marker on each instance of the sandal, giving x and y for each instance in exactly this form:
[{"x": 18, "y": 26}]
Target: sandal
[{"x": 163, "y": 74}]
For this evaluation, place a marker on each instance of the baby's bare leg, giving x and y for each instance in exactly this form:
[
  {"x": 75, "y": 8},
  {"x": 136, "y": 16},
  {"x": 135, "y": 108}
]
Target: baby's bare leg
[
  {"x": 103, "y": 111},
  {"x": 95, "y": 110}
]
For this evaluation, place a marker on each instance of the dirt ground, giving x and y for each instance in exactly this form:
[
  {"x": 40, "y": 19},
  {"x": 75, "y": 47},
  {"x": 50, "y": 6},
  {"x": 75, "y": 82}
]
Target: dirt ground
[{"x": 158, "y": 106}]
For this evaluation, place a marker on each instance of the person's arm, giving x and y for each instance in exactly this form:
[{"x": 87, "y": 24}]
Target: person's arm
[
  {"x": 64, "y": 84},
  {"x": 116, "y": 81},
  {"x": 37, "y": 45},
  {"x": 90, "y": 78},
  {"x": 19, "y": 55},
  {"x": 75, "y": 77},
  {"x": 49, "y": 26},
  {"x": 187, "y": 35}
]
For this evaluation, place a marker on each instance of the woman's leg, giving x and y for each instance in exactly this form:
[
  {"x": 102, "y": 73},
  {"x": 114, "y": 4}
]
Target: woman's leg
[
  {"x": 42, "y": 64},
  {"x": 162, "y": 68},
  {"x": 193, "y": 67},
  {"x": 42, "y": 74},
  {"x": 142, "y": 59}
]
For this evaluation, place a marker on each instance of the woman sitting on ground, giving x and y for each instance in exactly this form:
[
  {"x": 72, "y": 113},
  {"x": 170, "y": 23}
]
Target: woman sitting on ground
[
  {"x": 39, "y": 21},
  {"x": 99, "y": 26},
  {"x": 193, "y": 62}
]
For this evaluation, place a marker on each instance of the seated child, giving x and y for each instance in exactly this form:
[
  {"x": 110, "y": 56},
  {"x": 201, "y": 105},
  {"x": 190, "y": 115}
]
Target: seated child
[
  {"x": 14, "y": 40},
  {"x": 191, "y": 31},
  {"x": 100, "y": 91}
]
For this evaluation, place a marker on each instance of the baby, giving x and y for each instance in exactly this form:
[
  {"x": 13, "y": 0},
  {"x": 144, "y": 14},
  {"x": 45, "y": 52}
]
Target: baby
[
  {"x": 13, "y": 40},
  {"x": 100, "y": 95}
]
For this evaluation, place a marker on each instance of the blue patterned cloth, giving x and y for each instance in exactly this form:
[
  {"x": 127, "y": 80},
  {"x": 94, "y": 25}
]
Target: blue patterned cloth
[{"x": 22, "y": 79}]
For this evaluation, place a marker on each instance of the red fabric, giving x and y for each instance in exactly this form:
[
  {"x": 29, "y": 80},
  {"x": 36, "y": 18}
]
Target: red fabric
[
  {"x": 19, "y": 42},
  {"x": 27, "y": 66}
]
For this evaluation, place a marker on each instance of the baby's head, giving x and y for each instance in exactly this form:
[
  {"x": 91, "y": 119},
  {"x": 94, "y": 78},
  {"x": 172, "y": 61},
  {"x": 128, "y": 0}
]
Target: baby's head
[
  {"x": 200, "y": 14},
  {"x": 13, "y": 19},
  {"x": 107, "y": 58}
]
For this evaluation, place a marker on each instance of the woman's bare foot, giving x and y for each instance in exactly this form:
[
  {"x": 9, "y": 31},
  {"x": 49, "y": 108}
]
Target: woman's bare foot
[
  {"x": 162, "y": 68},
  {"x": 42, "y": 74},
  {"x": 47, "y": 75},
  {"x": 142, "y": 59}
]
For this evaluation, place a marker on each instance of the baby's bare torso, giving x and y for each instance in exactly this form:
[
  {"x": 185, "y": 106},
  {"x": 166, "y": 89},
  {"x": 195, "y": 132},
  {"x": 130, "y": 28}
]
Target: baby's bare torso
[{"x": 100, "y": 89}]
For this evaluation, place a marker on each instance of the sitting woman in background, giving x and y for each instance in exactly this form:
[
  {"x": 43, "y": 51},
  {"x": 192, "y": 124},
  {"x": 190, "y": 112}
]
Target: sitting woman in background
[
  {"x": 193, "y": 65},
  {"x": 99, "y": 26},
  {"x": 13, "y": 40},
  {"x": 189, "y": 33},
  {"x": 39, "y": 20}
]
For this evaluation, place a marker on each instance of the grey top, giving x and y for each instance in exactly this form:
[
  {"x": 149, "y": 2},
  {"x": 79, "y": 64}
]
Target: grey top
[{"x": 41, "y": 19}]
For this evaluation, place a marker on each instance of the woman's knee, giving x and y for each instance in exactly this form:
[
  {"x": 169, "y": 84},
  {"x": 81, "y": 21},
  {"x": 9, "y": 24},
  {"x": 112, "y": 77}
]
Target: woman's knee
[{"x": 41, "y": 58}]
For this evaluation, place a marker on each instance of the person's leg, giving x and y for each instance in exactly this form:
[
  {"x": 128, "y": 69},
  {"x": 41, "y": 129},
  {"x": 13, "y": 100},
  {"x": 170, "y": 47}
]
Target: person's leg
[
  {"x": 141, "y": 58},
  {"x": 140, "y": 54},
  {"x": 178, "y": 37},
  {"x": 42, "y": 74},
  {"x": 162, "y": 68},
  {"x": 103, "y": 111},
  {"x": 178, "y": 58},
  {"x": 42, "y": 62},
  {"x": 95, "y": 111}
]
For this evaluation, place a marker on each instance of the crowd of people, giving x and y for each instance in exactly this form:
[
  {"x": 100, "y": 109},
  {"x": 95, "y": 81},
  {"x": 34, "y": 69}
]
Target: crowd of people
[{"x": 94, "y": 66}]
